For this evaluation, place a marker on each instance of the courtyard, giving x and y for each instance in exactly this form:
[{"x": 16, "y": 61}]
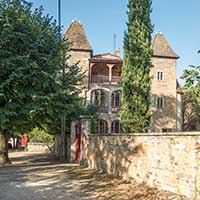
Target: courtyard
[{"x": 39, "y": 176}]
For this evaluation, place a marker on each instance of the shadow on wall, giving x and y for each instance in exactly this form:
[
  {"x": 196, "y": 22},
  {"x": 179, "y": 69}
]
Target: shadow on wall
[
  {"x": 164, "y": 113},
  {"x": 160, "y": 161},
  {"x": 113, "y": 161}
]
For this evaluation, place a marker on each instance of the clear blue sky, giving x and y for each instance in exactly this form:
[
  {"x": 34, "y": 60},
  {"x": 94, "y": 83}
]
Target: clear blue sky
[{"x": 179, "y": 20}]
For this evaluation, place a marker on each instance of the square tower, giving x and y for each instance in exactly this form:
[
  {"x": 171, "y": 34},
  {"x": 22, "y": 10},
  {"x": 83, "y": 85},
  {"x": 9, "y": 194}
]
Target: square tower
[
  {"x": 80, "y": 50},
  {"x": 163, "y": 86}
]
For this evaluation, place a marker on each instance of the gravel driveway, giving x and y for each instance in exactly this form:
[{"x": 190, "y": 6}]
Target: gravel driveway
[{"x": 35, "y": 176}]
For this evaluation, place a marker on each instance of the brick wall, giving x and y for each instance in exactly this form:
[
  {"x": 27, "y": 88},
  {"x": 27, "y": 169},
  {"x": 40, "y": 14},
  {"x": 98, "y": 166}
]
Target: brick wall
[{"x": 169, "y": 162}]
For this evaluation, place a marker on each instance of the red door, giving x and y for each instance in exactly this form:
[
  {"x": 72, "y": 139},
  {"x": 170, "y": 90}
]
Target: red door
[{"x": 78, "y": 142}]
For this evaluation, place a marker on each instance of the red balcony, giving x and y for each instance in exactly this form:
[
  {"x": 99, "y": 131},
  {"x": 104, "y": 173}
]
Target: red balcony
[
  {"x": 105, "y": 73},
  {"x": 99, "y": 79},
  {"x": 105, "y": 79},
  {"x": 117, "y": 79}
]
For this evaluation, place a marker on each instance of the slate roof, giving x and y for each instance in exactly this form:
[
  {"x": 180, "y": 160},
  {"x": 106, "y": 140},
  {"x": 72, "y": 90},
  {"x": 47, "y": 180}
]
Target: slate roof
[
  {"x": 161, "y": 47},
  {"x": 76, "y": 35}
]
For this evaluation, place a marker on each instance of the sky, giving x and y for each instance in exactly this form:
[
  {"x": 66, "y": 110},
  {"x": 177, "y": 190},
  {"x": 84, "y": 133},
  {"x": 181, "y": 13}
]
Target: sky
[{"x": 178, "y": 20}]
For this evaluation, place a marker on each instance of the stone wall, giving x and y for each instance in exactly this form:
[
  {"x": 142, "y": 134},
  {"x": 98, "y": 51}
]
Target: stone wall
[
  {"x": 166, "y": 88},
  {"x": 169, "y": 162},
  {"x": 82, "y": 58},
  {"x": 40, "y": 147}
]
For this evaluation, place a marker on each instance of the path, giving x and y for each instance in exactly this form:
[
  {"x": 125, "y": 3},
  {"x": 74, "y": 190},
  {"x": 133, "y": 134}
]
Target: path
[{"x": 36, "y": 176}]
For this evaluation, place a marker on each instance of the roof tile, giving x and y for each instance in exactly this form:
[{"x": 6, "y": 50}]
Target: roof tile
[
  {"x": 161, "y": 47},
  {"x": 75, "y": 34}
]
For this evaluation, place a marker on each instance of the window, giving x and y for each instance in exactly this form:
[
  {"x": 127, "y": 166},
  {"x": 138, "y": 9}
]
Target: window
[
  {"x": 102, "y": 127},
  {"x": 116, "y": 100},
  {"x": 116, "y": 127},
  {"x": 159, "y": 76},
  {"x": 99, "y": 98},
  {"x": 167, "y": 130},
  {"x": 160, "y": 102}
]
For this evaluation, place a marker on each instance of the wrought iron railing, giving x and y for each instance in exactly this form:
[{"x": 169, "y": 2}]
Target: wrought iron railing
[
  {"x": 115, "y": 109},
  {"x": 103, "y": 79},
  {"x": 103, "y": 109},
  {"x": 99, "y": 79},
  {"x": 117, "y": 79}
]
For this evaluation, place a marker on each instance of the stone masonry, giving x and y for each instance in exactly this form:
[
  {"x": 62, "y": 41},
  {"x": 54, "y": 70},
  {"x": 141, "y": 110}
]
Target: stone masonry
[
  {"x": 168, "y": 118},
  {"x": 170, "y": 162},
  {"x": 165, "y": 117}
]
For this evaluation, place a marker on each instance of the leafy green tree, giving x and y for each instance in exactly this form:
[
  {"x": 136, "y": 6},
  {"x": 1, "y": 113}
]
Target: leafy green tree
[
  {"x": 192, "y": 79},
  {"x": 191, "y": 103},
  {"x": 135, "y": 113},
  {"x": 38, "y": 135},
  {"x": 191, "y": 110},
  {"x": 32, "y": 90}
]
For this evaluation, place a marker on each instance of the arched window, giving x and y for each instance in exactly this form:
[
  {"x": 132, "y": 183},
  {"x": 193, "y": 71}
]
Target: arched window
[
  {"x": 102, "y": 127},
  {"x": 116, "y": 101},
  {"x": 100, "y": 98},
  {"x": 116, "y": 73},
  {"x": 116, "y": 127}
]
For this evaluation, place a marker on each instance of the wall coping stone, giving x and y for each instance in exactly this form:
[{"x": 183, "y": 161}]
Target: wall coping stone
[
  {"x": 171, "y": 134},
  {"x": 40, "y": 143}
]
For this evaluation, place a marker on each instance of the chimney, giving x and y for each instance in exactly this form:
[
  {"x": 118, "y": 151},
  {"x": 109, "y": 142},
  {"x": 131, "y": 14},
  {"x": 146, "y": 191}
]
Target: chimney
[{"x": 117, "y": 52}]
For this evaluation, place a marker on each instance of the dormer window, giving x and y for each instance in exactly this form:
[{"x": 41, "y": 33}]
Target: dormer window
[{"x": 159, "y": 76}]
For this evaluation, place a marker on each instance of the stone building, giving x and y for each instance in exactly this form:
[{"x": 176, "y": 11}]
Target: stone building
[{"x": 102, "y": 82}]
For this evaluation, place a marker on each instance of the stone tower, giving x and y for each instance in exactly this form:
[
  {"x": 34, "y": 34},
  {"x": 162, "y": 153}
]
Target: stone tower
[
  {"x": 163, "y": 86},
  {"x": 80, "y": 50}
]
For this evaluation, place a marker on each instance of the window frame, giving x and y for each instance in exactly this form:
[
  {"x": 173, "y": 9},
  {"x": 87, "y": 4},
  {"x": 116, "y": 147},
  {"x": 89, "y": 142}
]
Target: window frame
[
  {"x": 116, "y": 97},
  {"x": 116, "y": 125},
  {"x": 160, "y": 103},
  {"x": 160, "y": 76},
  {"x": 102, "y": 127},
  {"x": 99, "y": 97}
]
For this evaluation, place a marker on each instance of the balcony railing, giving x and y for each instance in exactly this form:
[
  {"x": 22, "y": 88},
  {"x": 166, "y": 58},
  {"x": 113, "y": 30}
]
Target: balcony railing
[
  {"x": 103, "y": 109},
  {"x": 99, "y": 79},
  {"x": 115, "y": 109},
  {"x": 103, "y": 79},
  {"x": 117, "y": 79}
]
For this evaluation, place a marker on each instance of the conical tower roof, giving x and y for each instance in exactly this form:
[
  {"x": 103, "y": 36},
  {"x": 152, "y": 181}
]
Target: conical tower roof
[
  {"x": 161, "y": 47},
  {"x": 75, "y": 34}
]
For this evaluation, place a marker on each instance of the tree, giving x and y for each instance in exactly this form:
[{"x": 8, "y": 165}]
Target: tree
[
  {"x": 32, "y": 92},
  {"x": 191, "y": 97},
  {"x": 135, "y": 113},
  {"x": 191, "y": 110}
]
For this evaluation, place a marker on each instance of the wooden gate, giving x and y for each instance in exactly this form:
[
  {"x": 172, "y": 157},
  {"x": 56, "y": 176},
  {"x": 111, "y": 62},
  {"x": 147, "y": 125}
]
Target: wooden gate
[{"x": 78, "y": 141}]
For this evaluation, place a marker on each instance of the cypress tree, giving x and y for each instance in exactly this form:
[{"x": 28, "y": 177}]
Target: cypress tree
[{"x": 135, "y": 113}]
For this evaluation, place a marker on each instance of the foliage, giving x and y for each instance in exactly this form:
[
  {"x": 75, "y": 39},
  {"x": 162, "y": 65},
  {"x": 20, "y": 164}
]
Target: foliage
[
  {"x": 192, "y": 79},
  {"x": 38, "y": 135},
  {"x": 32, "y": 89},
  {"x": 191, "y": 110},
  {"x": 135, "y": 114},
  {"x": 191, "y": 103}
]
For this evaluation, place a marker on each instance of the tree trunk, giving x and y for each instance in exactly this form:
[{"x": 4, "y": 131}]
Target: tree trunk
[
  {"x": 63, "y": 140},
  {"x": 2, "y": 149},
  {"x": 4, "y": 137}
]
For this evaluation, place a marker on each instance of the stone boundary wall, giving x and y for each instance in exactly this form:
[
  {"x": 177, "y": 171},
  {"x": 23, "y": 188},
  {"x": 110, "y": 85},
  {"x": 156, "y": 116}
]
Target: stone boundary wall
[
  {"x": 40, "y": 147},
  {"x": 168, "y": 161}
]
